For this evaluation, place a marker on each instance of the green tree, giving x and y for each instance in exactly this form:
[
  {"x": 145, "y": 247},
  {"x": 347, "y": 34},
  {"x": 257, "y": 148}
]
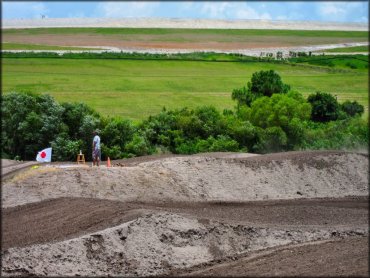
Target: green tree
[
  {"x": 64, "y": 148},
  {"x": 73, "y": 116},
  {"x": 29, "y": 123},
  {"x": 272, "y": 139},
  {"x": 267, "y": 83},
  {"x": 352, "y": 108},
  {"x": 286, "y": 111},
  {"x": 115, "y": 135},
  {"x": 243, "y": 96},
  {"x": 325, "y": 107},
  {"x": 138, "y": 146}
]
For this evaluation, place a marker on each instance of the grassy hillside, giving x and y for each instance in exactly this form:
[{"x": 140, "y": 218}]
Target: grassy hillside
[
  {"x": 350, "y": 49},
  {"x": 136, "y": 89}
]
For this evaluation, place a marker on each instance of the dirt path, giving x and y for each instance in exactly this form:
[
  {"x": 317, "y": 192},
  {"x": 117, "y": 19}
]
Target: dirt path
[
  {"x": 347, "y": 257},
  {"x": 10, "y": 167}
]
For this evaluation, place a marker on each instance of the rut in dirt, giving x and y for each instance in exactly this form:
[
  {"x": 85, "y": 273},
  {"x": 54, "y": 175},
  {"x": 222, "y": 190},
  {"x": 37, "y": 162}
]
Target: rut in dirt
[{"x": 64, "y": 218}]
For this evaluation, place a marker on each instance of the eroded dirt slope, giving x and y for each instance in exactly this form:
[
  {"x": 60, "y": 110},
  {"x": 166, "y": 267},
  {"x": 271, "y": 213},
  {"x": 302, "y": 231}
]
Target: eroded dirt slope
[{"x": 267, "y": 177}]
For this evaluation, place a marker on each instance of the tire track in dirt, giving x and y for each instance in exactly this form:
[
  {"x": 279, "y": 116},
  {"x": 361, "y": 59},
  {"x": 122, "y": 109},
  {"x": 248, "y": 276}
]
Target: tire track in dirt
[
  {"x": 65, "y": 218},
  {"x": 321, "y": 258}
]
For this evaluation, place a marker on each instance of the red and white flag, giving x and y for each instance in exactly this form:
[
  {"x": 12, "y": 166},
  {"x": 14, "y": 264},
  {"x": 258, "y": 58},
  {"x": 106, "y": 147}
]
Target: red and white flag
[{"x": 44, "y": 155}]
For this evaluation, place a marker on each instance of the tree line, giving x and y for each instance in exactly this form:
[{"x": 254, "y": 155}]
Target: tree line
[{"x": 268, "y": 117}]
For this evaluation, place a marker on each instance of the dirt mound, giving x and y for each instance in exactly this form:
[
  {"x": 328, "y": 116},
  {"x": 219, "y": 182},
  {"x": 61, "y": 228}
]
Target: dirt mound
[
  {"x": 154, "y": 244},
  {"x": 267, "y": 177},
  {"x": 188, "y": 214}
]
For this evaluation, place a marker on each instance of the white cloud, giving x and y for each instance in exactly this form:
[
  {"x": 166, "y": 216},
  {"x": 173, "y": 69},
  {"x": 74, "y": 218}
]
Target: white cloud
[
  {"x": 248, "y": 13},
  {"x": 24, "y": 9},
  {"x": 282, "y": 17},
  {"x": 339, "y": 11},
  {"x": 215, "y": 9},
  {"x": 76, "y": 14},
  {"x": 126, "y": 9},
  {"x": 231, "y": 10},
  {"x": 332, "y": 9}
]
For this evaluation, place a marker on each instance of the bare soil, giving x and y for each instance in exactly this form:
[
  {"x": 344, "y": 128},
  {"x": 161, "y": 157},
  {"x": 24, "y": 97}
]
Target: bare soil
[
  {"x": 320, "y": 259},
  {"x": 65, "y": 218},
  {"x": 189, "y": 42},
  {"x": 212, "y": 214}
]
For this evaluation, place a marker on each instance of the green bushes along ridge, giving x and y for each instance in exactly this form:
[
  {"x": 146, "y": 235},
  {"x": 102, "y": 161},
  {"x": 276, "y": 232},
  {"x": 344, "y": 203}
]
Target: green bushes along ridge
[{"x": 268, "y": 117}]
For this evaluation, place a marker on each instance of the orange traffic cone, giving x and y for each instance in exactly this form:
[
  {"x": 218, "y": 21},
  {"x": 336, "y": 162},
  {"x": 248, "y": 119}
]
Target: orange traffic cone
[{"x": 108, "y": 162}]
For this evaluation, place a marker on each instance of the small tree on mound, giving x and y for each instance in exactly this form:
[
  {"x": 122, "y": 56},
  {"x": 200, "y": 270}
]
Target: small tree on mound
[{"x": 325, "y": 107}]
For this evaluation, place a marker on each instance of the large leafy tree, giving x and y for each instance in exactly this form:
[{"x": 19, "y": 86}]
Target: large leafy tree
[
  {"x": 267, "y": 83},
  {"x": 263, "y": 83},
  {"x": 29, "y": 123},
  {"x": 325, "y": 107},
  {"x": 287, "y": 112},
  {"x": 115, "y": 135}
]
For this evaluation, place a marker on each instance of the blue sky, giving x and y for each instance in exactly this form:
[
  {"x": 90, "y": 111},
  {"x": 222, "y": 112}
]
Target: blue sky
[{"x": 313, "y": 11}]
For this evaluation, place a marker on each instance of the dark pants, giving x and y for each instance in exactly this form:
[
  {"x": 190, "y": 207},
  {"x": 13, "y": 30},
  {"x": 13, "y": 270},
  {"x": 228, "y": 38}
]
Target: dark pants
[{"x": 97, "y": 154}]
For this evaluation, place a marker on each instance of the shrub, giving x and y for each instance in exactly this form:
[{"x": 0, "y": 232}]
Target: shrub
[
  {"x": 29, "y": 123},
  {"x": 267, "y": 83},
  {"x": 272, "y": 139},
  {"x": 325, "y": 107},
  {"x": 65, "y": 149},
  {"x": 352, "y": 108},
  {"x": 138, "y": 146}
]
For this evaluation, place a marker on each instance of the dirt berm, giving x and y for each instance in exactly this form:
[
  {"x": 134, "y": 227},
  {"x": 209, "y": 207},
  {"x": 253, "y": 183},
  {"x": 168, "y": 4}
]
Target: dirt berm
[
  {"x": 267, "y": 177},
  {"x": 296, "y": 213}
]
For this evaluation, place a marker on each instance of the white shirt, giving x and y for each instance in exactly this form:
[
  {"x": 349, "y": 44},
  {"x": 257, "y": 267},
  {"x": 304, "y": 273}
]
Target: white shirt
[{"x": 97, "y": 142}]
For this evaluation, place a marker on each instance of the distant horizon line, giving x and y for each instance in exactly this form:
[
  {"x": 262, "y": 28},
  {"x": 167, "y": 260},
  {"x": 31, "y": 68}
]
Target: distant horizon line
[{"x": 187, "y": 19}]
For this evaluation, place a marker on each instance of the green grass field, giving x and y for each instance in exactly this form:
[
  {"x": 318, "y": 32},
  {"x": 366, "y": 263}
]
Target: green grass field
[
  {"x": 24, "y": 46},
  {"x": 350, "y": 49},
  {"x": 179, "y": 31},
  {"x": 136, "y": 89}
]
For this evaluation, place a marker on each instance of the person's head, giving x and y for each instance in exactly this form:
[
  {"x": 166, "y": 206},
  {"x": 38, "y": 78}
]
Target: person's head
[{"x": 96, "y": 132}]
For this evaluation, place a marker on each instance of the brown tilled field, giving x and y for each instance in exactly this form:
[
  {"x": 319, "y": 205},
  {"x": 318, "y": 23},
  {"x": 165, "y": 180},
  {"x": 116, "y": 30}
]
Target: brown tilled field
[{"x": 216, "y": 214}]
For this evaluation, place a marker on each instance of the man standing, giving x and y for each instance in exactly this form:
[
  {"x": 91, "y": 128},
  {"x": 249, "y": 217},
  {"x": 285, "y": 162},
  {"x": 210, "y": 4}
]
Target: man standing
[{"x": 96, "y": 154}]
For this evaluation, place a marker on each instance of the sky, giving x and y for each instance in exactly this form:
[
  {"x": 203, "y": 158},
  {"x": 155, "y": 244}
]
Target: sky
[{"x": 343, "y": 11}]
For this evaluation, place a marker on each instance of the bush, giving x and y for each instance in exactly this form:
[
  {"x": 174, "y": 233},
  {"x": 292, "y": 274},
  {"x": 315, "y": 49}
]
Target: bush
[
  {"x": 352, "y": 108},
  {"x": 351, "y": 133},
  {"x": 65, "y": 149},
  {"x": 272, "y": 139},
  {"x": 138, "y": 146},
  {"x": 285, "y": 111},
  {"x": 29, "y": 123},
  {"x": 325, "y": 107},
  {"x": 267, "y": 83},
  {"x": 115, "y": 135}
]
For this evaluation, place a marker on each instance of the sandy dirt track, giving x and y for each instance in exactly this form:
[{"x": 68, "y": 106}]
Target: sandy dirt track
[
  {"x": 284, "y": 214},
  {"x": 72, "y": 217},
  {"x": 309, "y": 260},
  {"x": 268, "y": 177}
]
